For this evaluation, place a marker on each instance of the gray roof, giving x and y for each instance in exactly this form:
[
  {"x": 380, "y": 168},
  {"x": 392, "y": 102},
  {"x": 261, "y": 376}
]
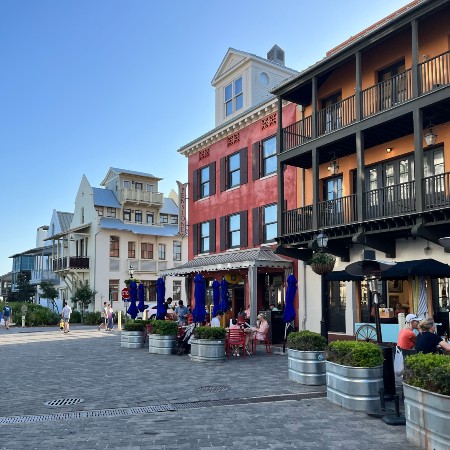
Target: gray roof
[
  {"x": 239, "y": 259},
  {"x": 132, "y": 172},
  {"x": 108, "y": 223},
  {"x": 64, "y": 219},
  {"x": 169, "y": 207},
  {"x": 105, "y": 197}
]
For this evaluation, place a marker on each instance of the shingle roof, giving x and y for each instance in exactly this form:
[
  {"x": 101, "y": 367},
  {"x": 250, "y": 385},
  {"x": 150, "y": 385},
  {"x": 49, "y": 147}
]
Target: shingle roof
[
  {"x": 105, "y": 197},
  {"x": 108, "y": 223}
]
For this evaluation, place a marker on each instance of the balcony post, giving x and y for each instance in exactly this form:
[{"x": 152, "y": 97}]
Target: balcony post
[
  {"x": 358, "y": 88},
  {"x": 360, "y": 176},
  {"x": 415, "y": 58},
  {"x": 418, "y": 157},
  {"x": 315, "y": 174},
  {"x": 314, "y": 108},
  {"x": 280, "y": 170}
]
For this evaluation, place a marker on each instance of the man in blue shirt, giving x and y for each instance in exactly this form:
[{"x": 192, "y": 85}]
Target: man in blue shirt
[{"x": 7, "y": 311}]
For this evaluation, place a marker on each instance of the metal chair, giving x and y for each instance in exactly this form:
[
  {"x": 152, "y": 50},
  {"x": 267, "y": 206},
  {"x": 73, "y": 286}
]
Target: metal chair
[
  {"x": 265, "y": 341},
  {"x": 235, "y": 337}
]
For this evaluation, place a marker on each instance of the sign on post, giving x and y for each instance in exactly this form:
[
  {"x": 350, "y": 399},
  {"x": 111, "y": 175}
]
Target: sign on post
[{"x": 125, "y": 293}]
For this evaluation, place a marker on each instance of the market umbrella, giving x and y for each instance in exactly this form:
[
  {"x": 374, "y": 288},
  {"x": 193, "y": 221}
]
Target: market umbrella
[
  {"x": 141, "y": 306},
  {"x": 422, "y": 308},
  {"x": 224, "y": 295},
  {"x": 133, "y": 310},
  {"x": 199, "y": 313},
  {"x": 289, "y": 311},
  {"x": 216, "y": 297},
  {"x": 160, "y": 297}
]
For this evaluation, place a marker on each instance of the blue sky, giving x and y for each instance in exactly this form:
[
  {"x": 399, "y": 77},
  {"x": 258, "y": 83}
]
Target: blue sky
[{"x": 90, "y": 84}]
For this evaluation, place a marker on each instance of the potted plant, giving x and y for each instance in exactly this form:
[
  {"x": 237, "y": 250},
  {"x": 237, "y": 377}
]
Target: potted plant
[
  {"x": 132, "y": 335},
  {"x": 208, "y": 344},
  {"x": 354, "y": 374},
  {"x": 322, "y": 262},
  {"x": 306, "y": 357},
  {"x": 162, "y": 337},
  {"x": 426, "y": 387}
]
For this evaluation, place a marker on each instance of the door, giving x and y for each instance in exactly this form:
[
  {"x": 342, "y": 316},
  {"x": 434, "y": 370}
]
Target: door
[
  {"x": 392, "y": 85},
  {"x": 336, "y": 306},
  {"x": 433, "y": 165},
  {"x": 331, "y": 113},
  {"x": 332, "y": 210}
]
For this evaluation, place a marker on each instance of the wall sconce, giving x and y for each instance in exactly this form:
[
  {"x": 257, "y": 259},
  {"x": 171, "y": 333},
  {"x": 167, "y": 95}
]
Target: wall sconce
[
  {"x": 389, "y": 150},
  {"x": 333, "y": 167},
  {"x": 71, "y": 238},
  {"x": 430, "y": 137}
]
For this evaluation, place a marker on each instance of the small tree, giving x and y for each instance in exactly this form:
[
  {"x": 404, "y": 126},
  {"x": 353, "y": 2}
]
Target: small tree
[
  {"x": 83, "y": 295},
  {"x": 25, "y": 291},
  {"x": 50, "y": 292}
]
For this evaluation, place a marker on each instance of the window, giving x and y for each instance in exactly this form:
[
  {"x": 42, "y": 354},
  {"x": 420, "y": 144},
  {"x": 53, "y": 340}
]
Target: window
[
  {"x": 99, "y": 210},
  {"x": 82, "y": 215},
  {"x": 114, "y": 246},
  {"x": 269, "y": 156},
  {"x": 234, "y": 231},
  {"x": 269, "y": 222},
  {"x": 126, "y": 184},
  {"x": 233, "y": 170},
  {"x": 204, "y": 182},
  {"x": 149, "y": 290},
  {"x": 150, "y": 218},
  {"x": 138, "y": 216},
  {"x": 149, "y": 187},
  {"x": 110, "y": 212},
  {"x": 204, "y": 237},
  {"x": 162, "y": 251},
  {"x": 146, "y": 250},
  {"x": 164, "y": 218},
  {"x": 113, "y": 290},
  {"x": 176, "y": 250},
  {"x": 234, "y": 98},
  {"x": 132, "y": 250},
  {"x": 176, "y": 290},
  {"x": 174, "y": 220},
  {"x": 127, "y": 215},
  {"x": 138, "y": 186}
]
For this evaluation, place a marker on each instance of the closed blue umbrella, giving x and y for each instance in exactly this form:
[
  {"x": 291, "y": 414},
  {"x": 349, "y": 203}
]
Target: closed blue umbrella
[
  {"x": 133, "y": 310},
  {"x": 224, "y": 295},
  {"x": 216, "y": 297},
  {"x": 199, "y": 313},
  {"x": 160, "y": 297},
  {"x": 141, "y": 306},
  {"x": 289, "y": 311}
]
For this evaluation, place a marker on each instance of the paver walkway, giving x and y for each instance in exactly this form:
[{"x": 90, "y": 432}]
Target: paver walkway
[{"x": 133, "y": 399}]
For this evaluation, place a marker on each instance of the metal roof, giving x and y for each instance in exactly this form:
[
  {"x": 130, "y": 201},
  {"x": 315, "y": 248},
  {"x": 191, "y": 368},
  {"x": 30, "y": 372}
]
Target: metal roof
[
  {"x": 169, "y": 207},
  {"x": 239, "y": 259},
  {"x": 108, "y": 223},
  {"x": 132, "y": 172},
  {"x": 105, "y": 197},
  {"x": 64, "y": 219}
]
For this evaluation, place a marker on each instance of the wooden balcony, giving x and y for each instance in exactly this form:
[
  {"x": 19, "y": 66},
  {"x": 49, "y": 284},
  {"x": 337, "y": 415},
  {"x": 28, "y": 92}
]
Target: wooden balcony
[
  {"x": 71, "y": 263},
  {"x": 432, "y": 74},
  {"x": 139, "y": 196}
]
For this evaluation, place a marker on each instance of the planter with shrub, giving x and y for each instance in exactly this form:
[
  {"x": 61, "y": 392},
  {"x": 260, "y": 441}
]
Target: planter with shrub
[
  {"x": 162, "y": 337},
  {"x": 306, "y": 357},
  {"x": 322, "y": 262},
  {"x": 208, "y": 344},
  {"x": 132, "y": 335},
  {"x": 354, "y": 374},
  {"x": 426, "y": 386}
]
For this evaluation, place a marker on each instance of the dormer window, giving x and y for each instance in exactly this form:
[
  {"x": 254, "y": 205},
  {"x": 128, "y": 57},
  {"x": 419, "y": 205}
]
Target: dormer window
[{"x": 234, "y": 98}]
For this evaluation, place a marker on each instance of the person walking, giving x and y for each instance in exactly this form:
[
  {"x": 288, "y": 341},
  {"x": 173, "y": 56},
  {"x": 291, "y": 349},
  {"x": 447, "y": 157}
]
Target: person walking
[
  {"x": 65, "y": 314},
  {"x": 104, "y": 316},
  {"x": 7, "y": 312},
  {"x": 182, "y": 313},
  {"x": 110, "y": 315}
]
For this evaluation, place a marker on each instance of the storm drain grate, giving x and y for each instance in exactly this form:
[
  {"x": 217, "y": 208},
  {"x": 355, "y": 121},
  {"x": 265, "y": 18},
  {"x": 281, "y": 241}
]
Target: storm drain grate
[
  {"x": 212, "y": 388},
  {"x": 159, "y": 408},
  {"x": 64, "y": 402}
]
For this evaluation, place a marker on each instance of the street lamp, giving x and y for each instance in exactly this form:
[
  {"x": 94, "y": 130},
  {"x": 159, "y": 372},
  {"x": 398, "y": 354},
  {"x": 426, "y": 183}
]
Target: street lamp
[
  {"x": 322, "y": 241},
  {"x": 131, "y": 271}
]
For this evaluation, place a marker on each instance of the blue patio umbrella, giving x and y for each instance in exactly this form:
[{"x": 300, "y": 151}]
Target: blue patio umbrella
[
  {"x": 133, "y": 310},
  {"x": 160, "y": 297},
  {"x": 289, "y": 311},
  {"x": 141, "y": 306},
  {"x": 199, "y": 313},
  {"x": 224, "y": 295},
  {"x": 216, "y": 297}
]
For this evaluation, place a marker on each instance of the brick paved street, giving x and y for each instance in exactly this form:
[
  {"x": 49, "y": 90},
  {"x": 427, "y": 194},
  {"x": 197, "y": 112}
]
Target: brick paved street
[{"x": 125, "y": 393}]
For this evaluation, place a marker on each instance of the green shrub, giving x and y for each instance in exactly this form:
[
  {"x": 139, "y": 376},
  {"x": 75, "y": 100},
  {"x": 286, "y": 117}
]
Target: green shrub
[
  {"x": 306, "y": 341},
  {"x": 75, "y": 317},
  {"x": 355, "y": 354},
  {"x": 428, "y": 371},
  {"x": 164, "y": 327},
  {"x": 134, "y": 326},
  {"x": 210, "y": 333},
  {"x": 36, "y": 315},
  {"x": 93, "y": 318}
]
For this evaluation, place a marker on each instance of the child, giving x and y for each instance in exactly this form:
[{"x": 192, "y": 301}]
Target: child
[
  {"x": 234, "y": 326},
  {"x": 61, "y": 325}
]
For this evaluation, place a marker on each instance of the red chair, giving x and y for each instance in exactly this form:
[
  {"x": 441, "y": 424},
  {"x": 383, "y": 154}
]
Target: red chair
[
  {"x": 241, "y": 320},
  {"x": 235, "y": 337},
  {"x": 265, "y": 341}
]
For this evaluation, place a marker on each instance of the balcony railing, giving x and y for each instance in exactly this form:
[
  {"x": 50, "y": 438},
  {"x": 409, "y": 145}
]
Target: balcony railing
[
  {"x": 297, "y": 134},
  {"x": 140, "y": 196},
  {"x": 37, "y": 276},
  {"x": 339, "y": 211},
  {"x": 336, "y": 116},
  {"x": 437, "y": 191},
  {"x": 434, "y": 73},
  {"x": 297, "y": 220},
  {"x": 72, "y": 262}
]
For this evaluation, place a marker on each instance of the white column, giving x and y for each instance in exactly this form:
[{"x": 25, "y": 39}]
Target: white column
[{"x": 253, "y": 292}]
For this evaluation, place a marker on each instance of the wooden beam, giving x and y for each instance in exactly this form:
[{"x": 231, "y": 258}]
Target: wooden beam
[{"x": 383, "y": 244}]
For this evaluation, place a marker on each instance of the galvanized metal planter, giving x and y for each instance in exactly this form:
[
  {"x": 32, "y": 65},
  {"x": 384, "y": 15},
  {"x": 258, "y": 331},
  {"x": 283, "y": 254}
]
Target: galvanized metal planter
[
  {"x": 355, "y": 388},
  {"x": 206, "y": 350},
  {"x": 132, "y": 339},
  {"x": 427, "y": 418},
  {"x": 307, "y": 367},
  {"x": 161, "y": 345}
]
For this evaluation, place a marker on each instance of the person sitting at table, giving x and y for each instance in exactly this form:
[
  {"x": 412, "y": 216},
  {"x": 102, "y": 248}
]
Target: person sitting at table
[
  {"x": 272, "y": 307},
  {"x": 215, "y": 322},
  {"x": 428, "y": 341},
  {"x": 406, "y": 337},
  {"x": 234, "y": 326}
]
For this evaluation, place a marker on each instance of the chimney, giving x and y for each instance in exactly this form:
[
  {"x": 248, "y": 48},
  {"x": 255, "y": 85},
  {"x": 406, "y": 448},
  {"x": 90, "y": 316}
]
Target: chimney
[{"x": 276, "y": 55}]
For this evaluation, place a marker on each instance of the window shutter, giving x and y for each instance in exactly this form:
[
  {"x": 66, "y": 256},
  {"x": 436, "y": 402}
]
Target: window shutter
[
  {"x": 223, "y": 233},
  {"x": 244, "y": 165},
  {"x": 195, "y": 185},
  {"x": 212, "y": 236},
  {"x": 195, "y": 238},
  {"x": 244, "y": 228},
  {"x": 212, "y": 178},
  {"x": 256, "y": 161},
  {"x": 256, "y": 218},
  {"x": 223, "y": 174}
]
